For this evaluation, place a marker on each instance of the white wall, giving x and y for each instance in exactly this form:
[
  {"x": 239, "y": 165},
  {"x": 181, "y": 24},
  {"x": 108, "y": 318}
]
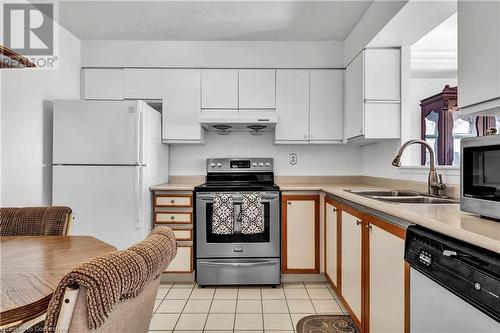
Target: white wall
[
  {"x": 212, "y": 54},
  {"x": 26, "y": 121},
  {"x": 311, "y": 159}
]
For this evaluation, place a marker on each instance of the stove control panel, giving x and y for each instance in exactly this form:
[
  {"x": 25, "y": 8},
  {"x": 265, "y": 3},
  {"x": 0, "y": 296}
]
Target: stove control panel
[{"x": 240, "y": 165}]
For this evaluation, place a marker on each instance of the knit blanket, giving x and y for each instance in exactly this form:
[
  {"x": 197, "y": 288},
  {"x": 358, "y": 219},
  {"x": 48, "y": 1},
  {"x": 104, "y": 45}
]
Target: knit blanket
[
  {"x": 115, "y": 276},
  {"x": 34, "y": 221}
]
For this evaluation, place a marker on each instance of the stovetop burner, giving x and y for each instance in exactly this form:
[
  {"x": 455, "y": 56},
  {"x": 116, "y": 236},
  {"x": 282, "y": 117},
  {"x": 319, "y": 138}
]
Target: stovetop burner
[{"x": 239, "y": 175}]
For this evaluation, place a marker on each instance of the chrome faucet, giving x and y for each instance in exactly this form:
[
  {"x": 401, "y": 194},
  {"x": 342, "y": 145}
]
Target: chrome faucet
[{"x": 435, "y": 181}]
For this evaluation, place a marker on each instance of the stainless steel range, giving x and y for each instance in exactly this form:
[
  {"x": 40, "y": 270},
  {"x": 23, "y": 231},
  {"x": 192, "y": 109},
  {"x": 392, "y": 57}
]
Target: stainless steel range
[{"x": 238, "y": 257}]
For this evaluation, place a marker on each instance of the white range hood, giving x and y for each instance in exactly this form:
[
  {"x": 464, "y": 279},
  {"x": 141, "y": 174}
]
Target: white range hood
[{"x": 225, "y": 121}]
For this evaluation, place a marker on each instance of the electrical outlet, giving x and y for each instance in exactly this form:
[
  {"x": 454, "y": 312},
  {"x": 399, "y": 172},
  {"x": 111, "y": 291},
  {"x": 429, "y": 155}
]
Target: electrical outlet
[{"x": 293, "y": 159}]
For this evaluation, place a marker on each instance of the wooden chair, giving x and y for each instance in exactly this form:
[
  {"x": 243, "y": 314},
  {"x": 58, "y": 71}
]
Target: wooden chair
[{"x": 35, "y": 221}]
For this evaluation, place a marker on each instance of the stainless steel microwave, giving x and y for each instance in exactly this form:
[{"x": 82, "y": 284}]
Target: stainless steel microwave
[{"x": 480, "y": 176}]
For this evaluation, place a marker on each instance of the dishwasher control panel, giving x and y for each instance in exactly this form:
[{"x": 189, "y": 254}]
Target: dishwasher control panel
[{"x": 470, "y": 272}]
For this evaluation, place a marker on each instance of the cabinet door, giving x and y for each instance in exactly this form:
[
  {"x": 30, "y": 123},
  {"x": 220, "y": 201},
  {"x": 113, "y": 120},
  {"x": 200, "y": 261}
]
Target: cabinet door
[
  {"x": 183, "y": 261},
  {"x": 331, "y": 242},
  {"x": 257, "y": 89},
  {"x": 386, "y": 281},
  {"x": 142, "y": 83},
  {"x": 300, "y": 238},
  {"x": 382, "y": 120},
  {"x": 105, "y": 84},
  {"x": 327, "y": 105},
  {"x": 382, "y": 74},
  {"x": 352, "y": 262},
  {"x": 354, "y": 98},
  {"x": 219, "y": 88},
  {"x": 181, "y": 106},
  {"x": 478, "y": 54},
  {"x": 292, "y": 106}
]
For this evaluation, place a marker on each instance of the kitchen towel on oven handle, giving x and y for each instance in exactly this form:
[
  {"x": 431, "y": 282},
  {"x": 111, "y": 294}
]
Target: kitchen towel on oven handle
[
  {"x": 223, "y": 214},
  {"x": 251, "y": 214}
]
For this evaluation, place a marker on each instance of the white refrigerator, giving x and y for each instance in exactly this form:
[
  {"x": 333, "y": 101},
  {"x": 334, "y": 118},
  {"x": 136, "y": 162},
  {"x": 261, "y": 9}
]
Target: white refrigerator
[{"x": 106, "y": 155}]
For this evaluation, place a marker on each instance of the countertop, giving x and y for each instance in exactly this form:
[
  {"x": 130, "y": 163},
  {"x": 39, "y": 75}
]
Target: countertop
[{"x": 443, "y": 218}]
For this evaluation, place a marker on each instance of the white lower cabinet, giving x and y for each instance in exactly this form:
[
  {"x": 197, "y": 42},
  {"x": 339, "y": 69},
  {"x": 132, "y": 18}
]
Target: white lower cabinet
[
  {"x": 183, "y": 261},
  {"x": 386, "y": 281},
  {"x": 331, "y": 241},
  {"x": 181, "y": 106},
  {"x": 300, "y": 234},
  {"x": 352, "y": 279}
]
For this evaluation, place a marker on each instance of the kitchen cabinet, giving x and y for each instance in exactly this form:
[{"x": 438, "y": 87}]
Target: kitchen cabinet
[
  {"x": 292, "y": 106},
  {"x": 142, "y": 83},
  {"x": 331, "y": 230},
  {"x": 387, "y": 273},
  {"x": 479, "y": 57},
  {"x": 352, "y": 262},
  {"x": 181, "y": 106},
  {"x": 102, "y": 83},
  {"x": 373, "y": 96},
  {"x": 175, "y": 210},
  {"x": 219, "y": 89},
  {"x": 310, "y": 106},
  {"x": 374, "y": 277},
  {"x": 300, "y": 234},
  {"x": 256, "y": 89},
  {"x": 326, "y": 111}
]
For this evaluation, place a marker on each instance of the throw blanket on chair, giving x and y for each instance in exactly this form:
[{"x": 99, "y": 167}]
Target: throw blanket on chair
[
  {"x": 115, "y": 276},
  {"x": 34, "y": 221}
]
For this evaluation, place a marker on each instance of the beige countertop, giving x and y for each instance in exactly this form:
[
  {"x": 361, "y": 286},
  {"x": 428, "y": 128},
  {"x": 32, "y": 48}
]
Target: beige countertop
[{"x": 443, "y": 218}]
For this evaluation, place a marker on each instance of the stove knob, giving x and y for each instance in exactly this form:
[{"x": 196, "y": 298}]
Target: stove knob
[
  {"x": 219, "y": 164},
  {"x": 261, "y": 164},
  {"x": 212, "y": 165},
  {"x": 268, "y": 164},
  {"x": 254, "y": 164}
]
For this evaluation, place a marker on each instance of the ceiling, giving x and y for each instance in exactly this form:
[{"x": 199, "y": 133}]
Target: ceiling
[{"x": 212, "y": 20}]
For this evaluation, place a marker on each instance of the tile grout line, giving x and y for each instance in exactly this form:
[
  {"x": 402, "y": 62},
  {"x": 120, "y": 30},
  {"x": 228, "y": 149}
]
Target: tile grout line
[
  {"x": 209, "y": 308},
  {"x": 288, "y": 307},
  {"x": 183, "y": 308},
  {"x": 262, "y": 308}
]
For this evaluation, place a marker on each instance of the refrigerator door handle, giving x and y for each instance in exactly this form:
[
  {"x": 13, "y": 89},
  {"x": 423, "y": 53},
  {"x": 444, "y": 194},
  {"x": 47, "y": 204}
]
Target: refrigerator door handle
[{"x": 138, "y": 195}]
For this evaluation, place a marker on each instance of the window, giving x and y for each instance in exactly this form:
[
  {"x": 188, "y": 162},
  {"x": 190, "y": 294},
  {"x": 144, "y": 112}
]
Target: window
[{"x": 443, "y": 127}]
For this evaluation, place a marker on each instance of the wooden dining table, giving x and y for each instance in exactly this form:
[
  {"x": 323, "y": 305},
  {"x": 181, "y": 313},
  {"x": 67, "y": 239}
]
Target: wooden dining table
[{"x": 31, "y": 268}]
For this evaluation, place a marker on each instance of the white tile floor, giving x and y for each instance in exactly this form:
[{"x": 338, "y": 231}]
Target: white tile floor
[{"x": 188, "y": 308}]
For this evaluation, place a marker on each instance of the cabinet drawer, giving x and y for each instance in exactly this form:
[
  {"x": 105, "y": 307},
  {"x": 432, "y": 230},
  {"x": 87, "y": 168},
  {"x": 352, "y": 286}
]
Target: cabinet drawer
[
  {"x": 173, "y": 218},
  {"x": 183, "y": 261},
  {"x": 183, "y": 235},
  {"x": 173, "y": 201}
]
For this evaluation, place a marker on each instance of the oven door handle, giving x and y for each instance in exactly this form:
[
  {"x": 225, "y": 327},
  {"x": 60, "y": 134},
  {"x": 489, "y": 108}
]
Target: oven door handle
[{"x": 247, "y": 264}]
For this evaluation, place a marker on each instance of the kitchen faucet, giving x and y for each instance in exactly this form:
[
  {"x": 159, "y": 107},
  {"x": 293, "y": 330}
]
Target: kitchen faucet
[{"x": 435, "y": 181}]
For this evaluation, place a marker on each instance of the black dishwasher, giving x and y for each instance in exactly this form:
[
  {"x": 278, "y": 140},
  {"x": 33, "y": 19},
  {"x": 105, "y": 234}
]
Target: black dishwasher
[{"x": 454, "y": 286}]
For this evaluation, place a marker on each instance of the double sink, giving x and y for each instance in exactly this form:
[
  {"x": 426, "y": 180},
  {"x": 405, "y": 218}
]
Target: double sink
[{"x": 404, "y": 197}]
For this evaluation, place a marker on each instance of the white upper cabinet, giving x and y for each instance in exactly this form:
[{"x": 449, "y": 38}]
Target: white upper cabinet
[
  {"x": 181, "y": 106},
  {"x": 219, "y": 88},
  {"x": 479, "y": 57},
  {"x": 373, "y": 96},
  {"x": 326, "y": 105},
  {"x": 105, "y": 84},
  {"x": 142, "y": 83},
  {"x": 257, "y": 89},
  {"x": 292, "y": 106},
  {"x": 382, "y": 74}
]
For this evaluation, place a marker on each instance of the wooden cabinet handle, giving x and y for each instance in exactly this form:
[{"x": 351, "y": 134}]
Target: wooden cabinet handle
[
  {"x": 358, "y": 222},
  {"x": 334, "y": 209}
]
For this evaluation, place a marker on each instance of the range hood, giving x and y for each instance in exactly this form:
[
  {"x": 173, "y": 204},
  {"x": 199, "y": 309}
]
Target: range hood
[{"x": 225, "y": 121}]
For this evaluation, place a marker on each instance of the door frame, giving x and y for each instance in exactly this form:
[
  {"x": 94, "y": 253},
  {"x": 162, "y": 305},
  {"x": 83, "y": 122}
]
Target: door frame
[{"x": 284, "y": 243}]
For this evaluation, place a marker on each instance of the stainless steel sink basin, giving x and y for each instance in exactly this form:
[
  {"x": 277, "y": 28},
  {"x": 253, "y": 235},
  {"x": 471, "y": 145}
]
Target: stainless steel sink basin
[
  {"x": 403, "y": 197},
  {"x": 382, "y": 193},
  {"x": 417, "y": 200}
]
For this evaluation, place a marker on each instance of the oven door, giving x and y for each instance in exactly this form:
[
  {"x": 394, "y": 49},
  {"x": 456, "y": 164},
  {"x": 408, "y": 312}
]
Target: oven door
[
  {"x": 265, "y": 244},
  {"x": 480, "y": 175}
]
